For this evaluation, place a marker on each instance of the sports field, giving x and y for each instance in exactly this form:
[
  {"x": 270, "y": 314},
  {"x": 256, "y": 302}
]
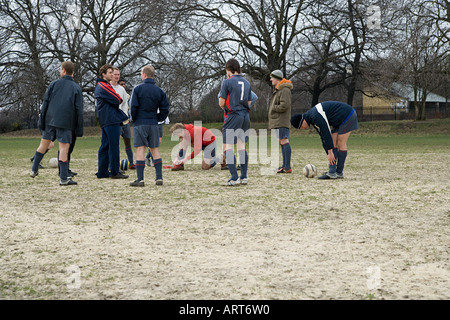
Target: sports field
[{"x": 380, "y": 233}]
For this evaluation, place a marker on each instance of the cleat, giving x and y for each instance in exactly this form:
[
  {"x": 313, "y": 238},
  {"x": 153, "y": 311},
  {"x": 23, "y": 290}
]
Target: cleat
[
  {"x": 283, "y": 170},
  {"x": 68, "y": 182},
  {"x": 159, "y": 182},
  {"x": 72, "y": 174},
  {"x": 243, "y": 181},
  {"x": 340, "y": 175},
  {"x": 233, "y": 182},
  {"x": 137, "y": 183},
  {"x": 133, "y": 167},
  {"x": 178, "y": 167},
  {"x": 33, "y": 173},
  {"x": 328, "y": 175},
  {"x": 120, "y": 175}
]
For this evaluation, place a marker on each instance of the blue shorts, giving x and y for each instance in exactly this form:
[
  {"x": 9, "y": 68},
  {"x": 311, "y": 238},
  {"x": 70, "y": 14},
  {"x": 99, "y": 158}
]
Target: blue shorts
[
  {"x": 125, "y": 131},
  {"x": 236, "y": 125},
  {"x": 282, "y": 133},
  {"x": 53, "y": 133},
  {"x": 349, "y": 124},
  {"x": 146, "y": 135}
]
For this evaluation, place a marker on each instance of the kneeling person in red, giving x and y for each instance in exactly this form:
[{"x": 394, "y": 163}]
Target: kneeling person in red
[{"x": 199, "y": 138}]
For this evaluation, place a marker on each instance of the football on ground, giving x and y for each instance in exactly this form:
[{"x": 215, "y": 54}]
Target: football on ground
[
  {"x": 53, "y": 162},
  {"x": 124, "y": 164},
  {"x": 310, "y": 171}
]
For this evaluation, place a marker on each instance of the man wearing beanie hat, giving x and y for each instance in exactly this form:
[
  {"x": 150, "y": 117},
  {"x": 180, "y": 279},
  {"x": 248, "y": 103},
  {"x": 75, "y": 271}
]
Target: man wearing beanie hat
[
  {"x": 334, "y": 122},
  {"x": 280, "y": 114}
]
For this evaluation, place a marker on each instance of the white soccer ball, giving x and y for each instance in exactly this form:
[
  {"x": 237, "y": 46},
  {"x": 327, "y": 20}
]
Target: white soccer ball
[
  {"x": 53, "y": 162},
  {"x": 310, "y": 171}
]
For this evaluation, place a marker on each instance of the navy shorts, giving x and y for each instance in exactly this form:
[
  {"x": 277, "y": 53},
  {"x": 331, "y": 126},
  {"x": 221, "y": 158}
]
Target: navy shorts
[
  {"x": 53, "y": 133},
  {"x": 349, "y": 124},
  {"x": 146, "y": 135},
  {"x": 282, "y": 133},
  {"x": 125, "y": 131},
  {"x": 236, "y": 125},
  {"x": 160, "y": 130}
]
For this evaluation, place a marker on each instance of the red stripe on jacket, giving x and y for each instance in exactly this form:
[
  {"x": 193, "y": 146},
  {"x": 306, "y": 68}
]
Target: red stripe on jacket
[{"x": 111, "y": 90}]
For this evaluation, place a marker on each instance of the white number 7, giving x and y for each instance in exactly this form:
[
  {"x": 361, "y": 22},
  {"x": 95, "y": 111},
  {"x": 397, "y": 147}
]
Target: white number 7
[{"x": 242, "y": 89}]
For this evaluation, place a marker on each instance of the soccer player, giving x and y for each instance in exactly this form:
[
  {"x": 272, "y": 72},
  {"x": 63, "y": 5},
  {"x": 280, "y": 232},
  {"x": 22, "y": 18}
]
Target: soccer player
[
  {"x": 235, "y": 99},
  {"x": 61, "y": 116},
  {"x": 145, "y": 101},
  {"x": 280, "y": 115},
  {"x": 125, "y": 130},
  {"x": 110, "y": 118},
  {"x": 334, "y": 122},
  {"x": 199, "y": 138}
]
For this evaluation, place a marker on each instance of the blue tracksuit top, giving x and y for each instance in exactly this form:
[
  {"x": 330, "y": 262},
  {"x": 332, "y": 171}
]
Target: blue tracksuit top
[
  {"x": 108, "y": 101},
  {"x": 326, "y": 116},
  {"x": 145, "y": 101}
]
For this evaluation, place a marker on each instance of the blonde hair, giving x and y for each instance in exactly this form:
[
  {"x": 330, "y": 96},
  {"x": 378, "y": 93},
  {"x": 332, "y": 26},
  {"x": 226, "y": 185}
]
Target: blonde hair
[
  {"x": 176, "y": 126},
  {"x": 149, "y": 71}
]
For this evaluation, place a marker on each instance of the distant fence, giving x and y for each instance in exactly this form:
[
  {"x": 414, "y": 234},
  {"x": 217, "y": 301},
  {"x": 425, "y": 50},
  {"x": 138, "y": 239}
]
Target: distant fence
[{"x": 387, "y": 113}]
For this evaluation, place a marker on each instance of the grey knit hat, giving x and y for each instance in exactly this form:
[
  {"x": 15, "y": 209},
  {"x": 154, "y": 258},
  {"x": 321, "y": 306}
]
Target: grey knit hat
[{"x": 277, "y": 74}]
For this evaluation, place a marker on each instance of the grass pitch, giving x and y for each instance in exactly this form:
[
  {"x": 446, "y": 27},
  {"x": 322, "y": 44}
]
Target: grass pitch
[{"x": 380, "y": 233}]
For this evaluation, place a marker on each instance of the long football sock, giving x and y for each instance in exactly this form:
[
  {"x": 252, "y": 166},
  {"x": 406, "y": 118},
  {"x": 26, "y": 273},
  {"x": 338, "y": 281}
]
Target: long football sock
[
  {"x": 63, "y": 170},
  {"x": 282, "y": 155},
  {"x": 140, "y": 166},
  {"x": 342, "y": 155},
  {"x": 129, "y": 153},
  {"x": 243, "y": 157},
  {"x": 287, "y": 156},
  {"x": 332, "y": 167},
  {"x": 157, "y": 163},
  {"x": 231, "y": 163},
  {"x": 36, "y": 161}
]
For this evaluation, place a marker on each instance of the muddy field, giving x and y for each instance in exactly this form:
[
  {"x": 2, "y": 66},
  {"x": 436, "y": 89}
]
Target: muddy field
[{"x": 380, "y": 233}]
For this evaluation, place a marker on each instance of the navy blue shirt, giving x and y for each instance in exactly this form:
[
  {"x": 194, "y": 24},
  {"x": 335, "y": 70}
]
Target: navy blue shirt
[
  {"x": 145, "y": 101},
  {"x": 237, "y": 92},
  {"x": 327, "y": 115}
]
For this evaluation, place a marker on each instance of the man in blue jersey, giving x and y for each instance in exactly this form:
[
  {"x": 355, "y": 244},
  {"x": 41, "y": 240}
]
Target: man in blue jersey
[
  {"x": 149, "y": 105},
  {"x": 235, "y": 99},
  {"x": 61, "y": 119},
  {"x": 334, "y": 122}
]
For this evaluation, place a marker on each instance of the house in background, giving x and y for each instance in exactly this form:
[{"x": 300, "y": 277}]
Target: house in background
[{"x": 397, "y": 103}]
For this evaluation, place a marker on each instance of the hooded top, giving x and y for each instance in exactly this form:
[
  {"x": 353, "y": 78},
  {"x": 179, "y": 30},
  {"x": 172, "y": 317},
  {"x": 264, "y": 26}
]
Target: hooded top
[{"x": 280, "y": 105}]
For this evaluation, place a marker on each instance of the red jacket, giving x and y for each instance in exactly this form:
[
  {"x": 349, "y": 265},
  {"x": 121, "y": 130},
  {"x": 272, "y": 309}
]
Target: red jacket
[{"x": 195, "y": 133}]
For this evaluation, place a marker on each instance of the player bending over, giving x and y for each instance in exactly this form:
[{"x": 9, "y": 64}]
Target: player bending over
[
  {"x": 334, "y": 122},
  {"x": 199, "y": 138}
]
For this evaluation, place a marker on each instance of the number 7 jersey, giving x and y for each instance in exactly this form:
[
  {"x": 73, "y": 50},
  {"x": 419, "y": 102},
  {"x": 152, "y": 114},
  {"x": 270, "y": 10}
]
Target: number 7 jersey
[{"x": 237, "y": 94}]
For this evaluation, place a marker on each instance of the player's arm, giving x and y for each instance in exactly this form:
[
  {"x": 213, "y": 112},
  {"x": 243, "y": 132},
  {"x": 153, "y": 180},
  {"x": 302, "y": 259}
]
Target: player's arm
[{"x": 222, "y": 103}]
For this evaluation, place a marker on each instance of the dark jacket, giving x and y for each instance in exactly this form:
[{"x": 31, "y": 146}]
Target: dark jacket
[
  {"x": 108, "y": 102},
  {"x": 145, "y": 101},
  {"x": 326, "y": 116},
  {"x": 280, "y": 106},
  {"x": 63, "y": 106}
]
